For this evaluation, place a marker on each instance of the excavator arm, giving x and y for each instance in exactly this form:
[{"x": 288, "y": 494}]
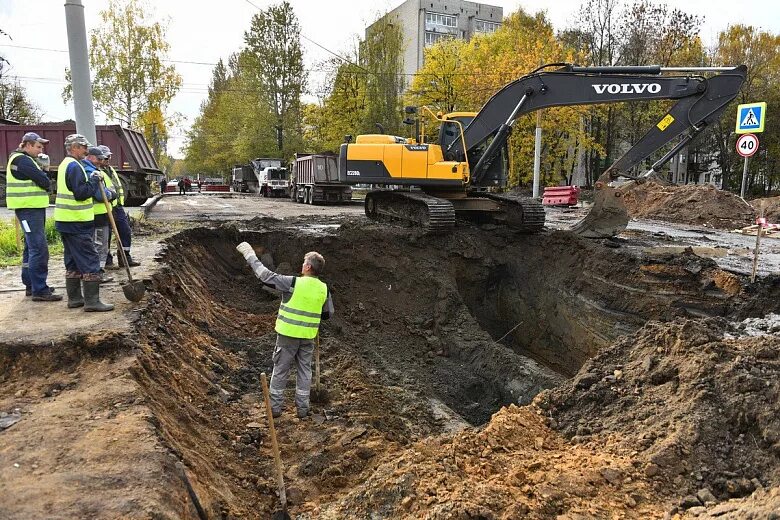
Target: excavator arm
[{"x": 701, "y": 101}]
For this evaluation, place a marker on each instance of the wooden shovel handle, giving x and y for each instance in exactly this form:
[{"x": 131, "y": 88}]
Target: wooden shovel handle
[
  {"x": 18, "y": 230},
  {"x": 317, "y": 364},
  {"x": 274, "y": 444}
]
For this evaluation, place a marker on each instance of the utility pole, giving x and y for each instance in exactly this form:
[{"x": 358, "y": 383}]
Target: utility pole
[
  {"x": 537, "y": 154},
  {"x": 79, "y": 70}
]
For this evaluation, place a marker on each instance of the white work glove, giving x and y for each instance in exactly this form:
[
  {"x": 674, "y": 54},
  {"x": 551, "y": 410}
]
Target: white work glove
[{"x": 246, "y": 250}]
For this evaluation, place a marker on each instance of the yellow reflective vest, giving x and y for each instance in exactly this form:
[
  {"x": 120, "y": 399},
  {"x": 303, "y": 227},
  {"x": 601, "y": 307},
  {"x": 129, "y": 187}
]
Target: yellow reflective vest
[
  {"x": 66, "y": 207},
  {"x": 23, "y": 193},
  {"x": 300, "y": 317}
]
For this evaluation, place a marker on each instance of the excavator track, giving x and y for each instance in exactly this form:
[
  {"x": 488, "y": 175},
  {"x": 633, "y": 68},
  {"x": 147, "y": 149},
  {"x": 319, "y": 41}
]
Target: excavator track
[
  {"x": 417, "y": 209},
  {"x": 521, "y": 213}
]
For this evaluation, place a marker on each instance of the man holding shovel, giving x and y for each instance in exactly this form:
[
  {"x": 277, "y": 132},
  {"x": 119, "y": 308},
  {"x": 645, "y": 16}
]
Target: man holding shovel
[
  {"x": 305, "y": 301},
  {"x": 75, "y": 220}
]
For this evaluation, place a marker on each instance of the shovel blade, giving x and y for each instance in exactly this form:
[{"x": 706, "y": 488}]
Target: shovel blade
[
  {"x": 134, "y": 290},
  {"x": 280, "y": 515},
  {"x": 319, "y": 395}
]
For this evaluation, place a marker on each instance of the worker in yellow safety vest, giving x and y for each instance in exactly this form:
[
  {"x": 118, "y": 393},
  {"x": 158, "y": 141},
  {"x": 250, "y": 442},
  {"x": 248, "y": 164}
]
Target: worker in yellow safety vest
[
  {"x": 92, "y": 163},
  {"x": 75, "y": 220},
  {"x": 305, "y": 301},
  {"x": 120, "y": 216},
  {"x": 27, "y": 193}
]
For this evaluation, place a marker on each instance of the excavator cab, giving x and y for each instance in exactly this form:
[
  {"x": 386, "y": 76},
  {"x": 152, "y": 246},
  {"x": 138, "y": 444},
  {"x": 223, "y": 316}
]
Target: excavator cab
[{"x": 497, "y": 172}]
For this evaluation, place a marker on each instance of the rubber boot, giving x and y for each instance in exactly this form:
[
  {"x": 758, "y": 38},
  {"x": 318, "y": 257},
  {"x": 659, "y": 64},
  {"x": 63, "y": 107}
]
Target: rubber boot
[
  {"x": 92, "y": 301},
  {"x": 73, "y": 287},
  {"x": 105, "y": 278}
]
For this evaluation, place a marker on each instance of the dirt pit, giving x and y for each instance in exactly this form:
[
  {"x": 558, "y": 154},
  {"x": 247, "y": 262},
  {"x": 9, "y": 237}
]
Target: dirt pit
[{"x": 437, "y": 346}]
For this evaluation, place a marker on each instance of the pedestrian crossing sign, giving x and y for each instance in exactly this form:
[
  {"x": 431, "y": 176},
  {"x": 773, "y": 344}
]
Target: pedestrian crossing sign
[{"x": 750, "y": 118}]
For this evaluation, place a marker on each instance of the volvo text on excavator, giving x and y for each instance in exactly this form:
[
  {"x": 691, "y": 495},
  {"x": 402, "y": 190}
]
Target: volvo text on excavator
[{"x": 463, "y": 174}]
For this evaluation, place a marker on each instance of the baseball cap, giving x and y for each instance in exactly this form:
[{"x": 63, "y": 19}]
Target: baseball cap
[
  {"x": 97, "y": 152},
  {"x": 106, "y": 150},
  {"x": 76, "y": 139},
  {"x": 32, "y": 136}
]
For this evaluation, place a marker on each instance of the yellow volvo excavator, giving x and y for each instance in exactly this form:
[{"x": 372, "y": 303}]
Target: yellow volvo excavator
[{"x": 463, "y": 174}]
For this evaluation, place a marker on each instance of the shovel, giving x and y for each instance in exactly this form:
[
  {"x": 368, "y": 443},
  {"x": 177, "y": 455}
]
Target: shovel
[
  {"x": 278, "y": 515},
  {"x": 319, "y": 394},
  {"x": 134, "y": 289}
]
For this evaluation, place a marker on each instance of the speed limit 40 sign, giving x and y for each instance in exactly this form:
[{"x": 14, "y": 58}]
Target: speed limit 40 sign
[{"x": 747, "y": 145}]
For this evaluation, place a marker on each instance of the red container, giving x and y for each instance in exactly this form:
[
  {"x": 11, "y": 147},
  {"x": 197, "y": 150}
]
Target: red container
[
  {"x": 131, "y": 156},
  {"x": 561, "y": 196}
]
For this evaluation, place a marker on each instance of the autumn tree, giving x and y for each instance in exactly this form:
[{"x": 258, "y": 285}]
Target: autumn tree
[
  {"x": 381, "y": 62},
  {"x": 760, "y": 51},
  {"x": 443, "y": 82},
  {"x": 272, "y": 63},
  {"x": 652, "y": 34},
  {"x": 131, "y": 84},
  {"x": 342, "y": 106},
  {"x": 15, "y": 104},
  {"x": 611, "y": 32},
  {"x": 210, "y": 139}
]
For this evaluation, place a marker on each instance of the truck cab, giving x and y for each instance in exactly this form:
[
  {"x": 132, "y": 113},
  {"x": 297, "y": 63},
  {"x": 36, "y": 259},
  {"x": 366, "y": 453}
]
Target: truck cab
[{"x": 273, "y": 178}]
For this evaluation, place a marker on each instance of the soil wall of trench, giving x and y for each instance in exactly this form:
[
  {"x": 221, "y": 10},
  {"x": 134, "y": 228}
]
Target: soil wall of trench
[{"x": 430, "y": 334}]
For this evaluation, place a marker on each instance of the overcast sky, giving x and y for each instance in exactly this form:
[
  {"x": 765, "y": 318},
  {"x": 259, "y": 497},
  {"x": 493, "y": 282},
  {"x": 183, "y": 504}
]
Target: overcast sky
[{"x": 200, "y": 31}]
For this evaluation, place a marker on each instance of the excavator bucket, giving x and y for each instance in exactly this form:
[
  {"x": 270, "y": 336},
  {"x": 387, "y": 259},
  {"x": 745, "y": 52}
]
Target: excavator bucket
[{"x": 607, "y": 217}]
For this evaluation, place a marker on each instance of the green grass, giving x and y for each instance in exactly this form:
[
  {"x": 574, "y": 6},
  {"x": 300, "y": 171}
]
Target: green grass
[{"x": 9, "y": 255}]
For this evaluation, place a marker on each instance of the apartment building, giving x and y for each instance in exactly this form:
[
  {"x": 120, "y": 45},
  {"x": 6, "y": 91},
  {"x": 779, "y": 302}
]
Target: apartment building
[{"x": 424, "y": 22}]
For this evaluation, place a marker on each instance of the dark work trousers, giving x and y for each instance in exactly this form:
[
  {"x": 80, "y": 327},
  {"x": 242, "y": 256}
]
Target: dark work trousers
[
  {"x": 123, "y": 226},
  {"x": 81, "y": 256},
  {"x": 291, "y": 352},
  {"x": 35, "y": 259}
]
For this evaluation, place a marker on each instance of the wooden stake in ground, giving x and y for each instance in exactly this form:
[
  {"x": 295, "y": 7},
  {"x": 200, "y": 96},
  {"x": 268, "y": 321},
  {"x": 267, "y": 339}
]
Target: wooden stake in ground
[
  {"x": 318, "y": 394},
  {"x": 18, "y": 229},
  {"x": 277, "y": 456},
  {"x": 760, "y": 223}
]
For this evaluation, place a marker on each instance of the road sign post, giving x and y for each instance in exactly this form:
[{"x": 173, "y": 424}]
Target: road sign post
[{"x": 747, "y": 145}]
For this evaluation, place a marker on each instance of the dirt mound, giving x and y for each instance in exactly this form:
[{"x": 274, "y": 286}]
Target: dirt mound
[
  {"x": 700, "y": 410},
  {"x": 515, "y": 467},
  {"x": 702, "y": 205},
  {"x": 771, "y": 207}
]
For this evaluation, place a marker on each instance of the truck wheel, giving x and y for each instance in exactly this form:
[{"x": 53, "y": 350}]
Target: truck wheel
[{"x": 311, "y": 196}]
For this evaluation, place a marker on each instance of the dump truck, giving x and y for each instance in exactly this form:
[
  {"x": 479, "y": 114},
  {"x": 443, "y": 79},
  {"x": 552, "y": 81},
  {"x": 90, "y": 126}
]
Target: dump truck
[
  {"x": 132, "y": 158},
  {"x": 315, "y": 179},
  {"x": 244, "y": 180},
  {"x": 460, "y": 174},
  {"x": 273, "y": 178}
]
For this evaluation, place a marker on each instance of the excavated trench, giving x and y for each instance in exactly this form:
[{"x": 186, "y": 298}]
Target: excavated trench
[{"x": 431, "y": 334}]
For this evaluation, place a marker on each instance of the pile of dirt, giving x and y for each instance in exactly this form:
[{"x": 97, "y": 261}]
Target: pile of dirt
[
  {"x": 770, "y": 206},
  {"x": 699, "y": 407},
  {"x": 516, "y": 467},
  {"x": 702, "y": 205}
]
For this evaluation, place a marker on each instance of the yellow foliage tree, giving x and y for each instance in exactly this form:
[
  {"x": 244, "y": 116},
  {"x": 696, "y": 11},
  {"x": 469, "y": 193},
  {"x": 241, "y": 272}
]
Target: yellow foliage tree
[{"x": 463, "y": 76}]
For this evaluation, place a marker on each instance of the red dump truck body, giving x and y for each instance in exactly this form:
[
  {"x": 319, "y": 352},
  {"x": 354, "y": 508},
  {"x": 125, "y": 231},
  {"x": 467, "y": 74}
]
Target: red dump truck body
[{"x": 132, "y": 158}]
